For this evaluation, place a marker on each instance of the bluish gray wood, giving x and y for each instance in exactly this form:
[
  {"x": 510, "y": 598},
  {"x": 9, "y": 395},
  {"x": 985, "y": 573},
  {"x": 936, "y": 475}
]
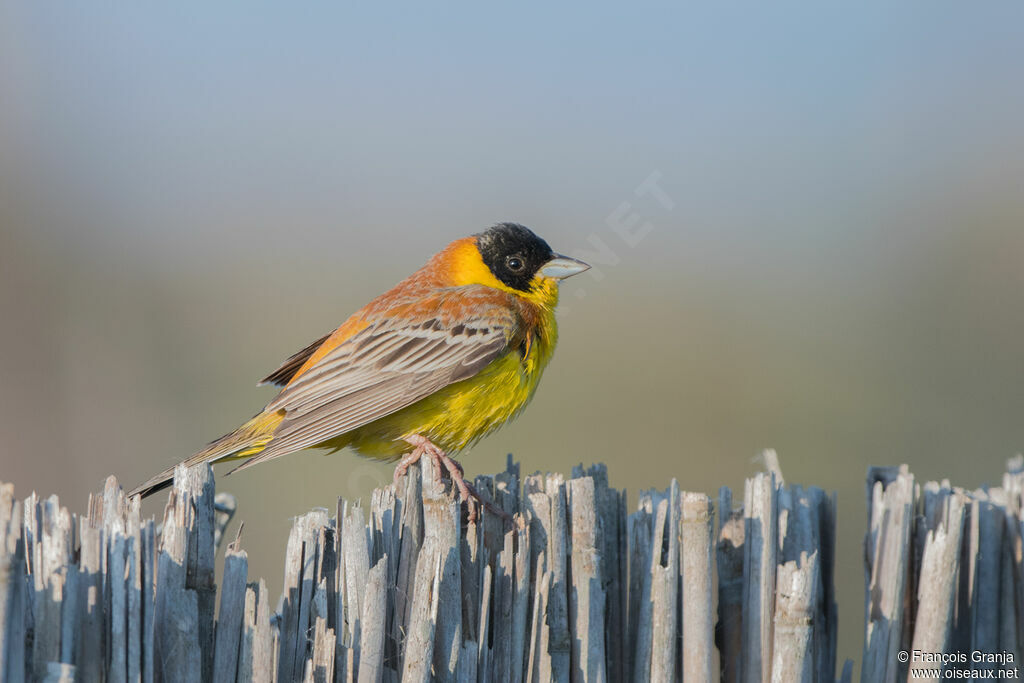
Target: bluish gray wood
[
  {"x": 806, "y": 635},
  {"x": 558, "y": 610},
  {"x": 537, "y": 518},
  {"x": 410, "y": 488},
  {"x": 299, "y": 585},
  {"x": 664, "y": 587},
  {"x": 826, "y": 624},
  {"x": 797, "y": 584},
  {"x": 611, "y": 521},
  {"x": 419, "y": 650},
  {"x": 116, "y": 558},
  {"x": 57, "y": 672},
  {"x": 696, "y": 582},
  {"x": 890, "y": 512},
  {"x": 12, "y": 586},
  {"x": 639, "y": 526},
  {"x": 508, "y": 495},
  {"x": 470, "y": 548},
  {"x": 760, "y": 548},
  {"x": 356, "y": 555},
  {"x": 256, "y": 654},
  {"x": 183, "y": 646},
  {"x": 1012, "y": 638},
  {"x": 441, "y": 535},
  {"x": 1008, "y": 498},
  {"x": 182, "y": 661},
  {"x": 641, "y": 627},
  {"x": 986, "y": 539},
  {"x": 371, "y": 645},
  {"x": 520, "y": 600},
  {"x": 610, "y": 510},
  {"x": 467, "y": 663},
  {"x": 532, "y": 599},
  {"x": 244, "y": 665},
  {"x": 90, "y": 648},
  {"x": 729, "y": 555},
  {"x": 51, "y": 528},
  {"x": 587, "y": 595},
  {"x": 501, "y": 624},
  {"x": 69, "y": 623},
  {"x": 320, "y": 667},
  {"x": 386, "y": 515},
  {"x": 135, "y": 561},
  {"x": 170, "y": 583},
  {"x": 199, "y": 575},
  {"x": 483, "y": 664},
  {"x": 538, "y": 639},
  {"x": 149, "y": 580},
  {"x": 230, "y": 618},
  {"x": 344, "y": 665},
  {"x": 940, "y": 564}
]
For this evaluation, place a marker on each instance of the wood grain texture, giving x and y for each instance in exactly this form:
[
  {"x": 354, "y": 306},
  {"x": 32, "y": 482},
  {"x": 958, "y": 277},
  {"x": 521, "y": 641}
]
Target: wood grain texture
[
  {"x": 887, "y": 551},
  {"x": 570, "y": 588}
]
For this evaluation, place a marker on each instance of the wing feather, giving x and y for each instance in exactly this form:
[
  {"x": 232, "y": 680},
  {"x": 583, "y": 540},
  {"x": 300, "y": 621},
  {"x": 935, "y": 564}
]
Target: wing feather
[
  {"x": 289, "y": 367},
  {"x": 388, "y": 365}
]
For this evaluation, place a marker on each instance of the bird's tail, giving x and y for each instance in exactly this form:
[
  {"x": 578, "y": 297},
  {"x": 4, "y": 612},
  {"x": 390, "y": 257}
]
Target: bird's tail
[{"x": 246, "y": 441}]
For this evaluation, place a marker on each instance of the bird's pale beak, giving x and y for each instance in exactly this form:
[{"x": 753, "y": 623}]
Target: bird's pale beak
[{"x": 561, "y": 267}]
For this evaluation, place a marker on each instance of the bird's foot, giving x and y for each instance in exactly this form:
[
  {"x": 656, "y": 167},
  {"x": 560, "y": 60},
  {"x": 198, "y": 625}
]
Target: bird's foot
[
  {"x": 423, "y": 446},
  {"x": 407, "y": 460}
]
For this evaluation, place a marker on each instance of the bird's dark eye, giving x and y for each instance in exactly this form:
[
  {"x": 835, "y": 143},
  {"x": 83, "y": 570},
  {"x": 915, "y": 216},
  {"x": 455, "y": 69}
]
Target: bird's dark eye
[{"x": 514, "y": 263}]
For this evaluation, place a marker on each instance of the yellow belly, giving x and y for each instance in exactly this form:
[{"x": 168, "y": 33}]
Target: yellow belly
[{"x": 458, "y": 415}]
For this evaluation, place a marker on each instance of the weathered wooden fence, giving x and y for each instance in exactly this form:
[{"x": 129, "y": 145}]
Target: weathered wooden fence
[{"x": 574, "y": 588}]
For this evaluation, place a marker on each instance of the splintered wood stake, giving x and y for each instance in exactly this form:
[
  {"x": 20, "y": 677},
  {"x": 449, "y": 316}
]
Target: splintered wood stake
[{"x": 574, "y": 585}]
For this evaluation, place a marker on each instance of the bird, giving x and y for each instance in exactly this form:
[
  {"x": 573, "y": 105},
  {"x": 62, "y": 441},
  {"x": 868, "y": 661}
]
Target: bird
[{"x": 427, "y": 369}]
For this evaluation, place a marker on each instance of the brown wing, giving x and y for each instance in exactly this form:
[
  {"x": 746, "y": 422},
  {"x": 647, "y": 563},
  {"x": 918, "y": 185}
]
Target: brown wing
[
  {"x": 389, "y": 365},
  {"x": 284, "y": 374}
]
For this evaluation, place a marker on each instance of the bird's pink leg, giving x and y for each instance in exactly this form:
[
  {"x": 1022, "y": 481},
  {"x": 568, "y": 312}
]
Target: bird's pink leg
[
  {"x": 408, "y": 459},
  {"x": 423, "y": 446}
]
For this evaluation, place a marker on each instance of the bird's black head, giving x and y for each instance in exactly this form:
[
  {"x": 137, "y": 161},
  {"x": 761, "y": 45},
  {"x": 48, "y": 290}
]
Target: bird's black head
[{"x": 513, "y": 254}]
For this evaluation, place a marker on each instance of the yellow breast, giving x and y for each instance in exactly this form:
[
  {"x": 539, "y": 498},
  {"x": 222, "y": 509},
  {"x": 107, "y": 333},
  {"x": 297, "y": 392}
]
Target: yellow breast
[{"x": 460, "y": 414}]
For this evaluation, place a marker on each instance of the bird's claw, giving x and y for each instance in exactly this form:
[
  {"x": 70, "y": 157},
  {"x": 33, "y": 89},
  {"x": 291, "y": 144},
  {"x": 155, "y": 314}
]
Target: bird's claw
[{"x": 423, "y": 446}]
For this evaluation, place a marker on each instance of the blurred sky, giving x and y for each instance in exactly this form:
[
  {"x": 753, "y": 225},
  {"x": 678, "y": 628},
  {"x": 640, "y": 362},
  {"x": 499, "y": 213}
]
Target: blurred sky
[{"x": 189, "y": 193}]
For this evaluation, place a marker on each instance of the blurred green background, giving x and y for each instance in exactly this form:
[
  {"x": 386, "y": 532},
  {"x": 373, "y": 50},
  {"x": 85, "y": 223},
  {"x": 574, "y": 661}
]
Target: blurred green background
[{"x": 188, "y": 194}]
